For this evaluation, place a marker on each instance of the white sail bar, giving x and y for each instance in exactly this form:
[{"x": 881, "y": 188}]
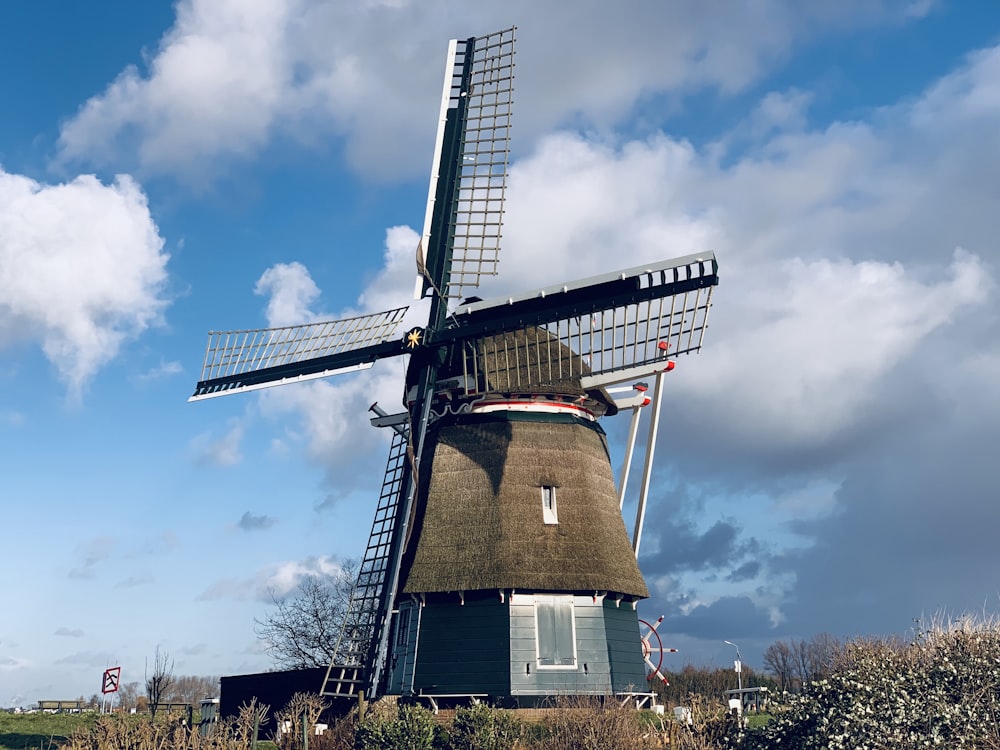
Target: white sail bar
[
  {"x": 448, "y": 100},
  {"x": 232, "y": 353},
  {"x": 482, "y": 181}
]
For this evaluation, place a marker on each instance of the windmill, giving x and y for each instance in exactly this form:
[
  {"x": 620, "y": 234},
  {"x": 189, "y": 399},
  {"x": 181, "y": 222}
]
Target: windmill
[{"x": 498, "y": 563}]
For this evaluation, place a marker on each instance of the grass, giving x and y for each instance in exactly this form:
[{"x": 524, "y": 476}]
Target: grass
[
  {"x": 755, "y": 721},
  {"x": 42, "y": 731},
  {"x": 34, "y": 731}
]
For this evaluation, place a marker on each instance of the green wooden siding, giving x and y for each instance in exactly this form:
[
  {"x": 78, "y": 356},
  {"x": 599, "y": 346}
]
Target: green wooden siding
[
  {"x": 463, "y": 649},
  {"x": 488, "y": 647},
  {"x": 592, "y": 673},
  {"x": 628, "y": 671},
  {"x": 402, "y": 658}
]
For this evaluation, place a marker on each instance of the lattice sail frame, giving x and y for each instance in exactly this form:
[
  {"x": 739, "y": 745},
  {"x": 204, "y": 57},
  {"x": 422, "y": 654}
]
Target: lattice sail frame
[
  {"x": 476, "y": 221},
  {"x": 233, "y": 353},
  {"x": 625, "y": 338}
]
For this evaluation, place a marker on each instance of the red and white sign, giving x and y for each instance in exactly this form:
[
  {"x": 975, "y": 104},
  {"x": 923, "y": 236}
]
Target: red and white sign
[{"x": 110, "y": 682}]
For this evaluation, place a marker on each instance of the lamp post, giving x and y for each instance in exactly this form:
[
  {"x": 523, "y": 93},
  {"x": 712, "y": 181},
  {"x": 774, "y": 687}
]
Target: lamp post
[{"x": 739, "y": 667}]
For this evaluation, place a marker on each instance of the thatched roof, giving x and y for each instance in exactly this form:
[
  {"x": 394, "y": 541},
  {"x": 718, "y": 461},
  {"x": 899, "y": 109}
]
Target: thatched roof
[
  {"x": 532, "y": 359},
  {"x": 479, "y": 522},
  {"x": 527, "y": 361}
]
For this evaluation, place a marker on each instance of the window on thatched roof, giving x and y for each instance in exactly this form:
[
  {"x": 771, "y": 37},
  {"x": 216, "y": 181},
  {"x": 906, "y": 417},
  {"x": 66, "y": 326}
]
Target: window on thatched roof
[
  {"x": 555, "y": 632},
  {"x": 549, "y": 514}
]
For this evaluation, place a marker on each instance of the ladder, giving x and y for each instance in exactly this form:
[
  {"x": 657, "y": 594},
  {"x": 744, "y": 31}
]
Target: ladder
[{"x": 348, "y": 672}]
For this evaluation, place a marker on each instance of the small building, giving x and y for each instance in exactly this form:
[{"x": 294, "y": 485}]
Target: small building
[
  {"x": 748, "y": 700},
  {"x": 271, "y": 689},
  {"x": 209, "y": 716}
]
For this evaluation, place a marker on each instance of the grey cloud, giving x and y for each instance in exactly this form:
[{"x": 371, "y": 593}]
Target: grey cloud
[
  {"x": 915, "y": 534},
  {"x": 89, "y": 556},
  {"x": 69, "y": 632},
  {"x": 87, "y": 659},
  {"x": 250, "y": 522},
  {"x": 682, "y": 548},
  {"x": 728, "y": 618},
  {"x": 745, "y": 572}
]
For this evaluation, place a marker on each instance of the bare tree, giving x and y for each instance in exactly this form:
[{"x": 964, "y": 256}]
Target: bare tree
[
  {"x": 802, "y": 662},
  {"x": 302, "y": 629},
  {"x": 159, "y": 682},
  {"x": 778, "y": 661},
  {"x": 795, "y": 664},
  {"x": 128, "y": 695},
  {"x": 825, "y": 652},
  {"x": 192, "y": 689}
]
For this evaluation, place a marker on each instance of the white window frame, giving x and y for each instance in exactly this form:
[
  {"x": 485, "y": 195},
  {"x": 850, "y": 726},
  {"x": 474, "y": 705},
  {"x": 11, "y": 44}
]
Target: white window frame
[
  {"x": 550, "y": 512},
  {"x": 556, "y": 599}
]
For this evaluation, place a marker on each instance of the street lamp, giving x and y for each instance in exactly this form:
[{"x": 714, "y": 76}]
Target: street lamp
[{"x": 739, "y": 667}]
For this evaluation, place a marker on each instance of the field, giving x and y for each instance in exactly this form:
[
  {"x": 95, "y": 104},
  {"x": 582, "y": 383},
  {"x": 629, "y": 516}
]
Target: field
[{"x": 24, "y": 731}]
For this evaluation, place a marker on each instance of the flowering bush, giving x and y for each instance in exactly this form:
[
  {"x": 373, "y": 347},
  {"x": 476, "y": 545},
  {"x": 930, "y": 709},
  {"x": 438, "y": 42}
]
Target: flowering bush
[{"x": 941, "y": 690}]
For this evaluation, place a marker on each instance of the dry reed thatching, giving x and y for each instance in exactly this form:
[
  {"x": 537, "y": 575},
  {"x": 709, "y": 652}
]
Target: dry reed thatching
[
  {"x": 527, "y": 361},
  {"x": 480, "y": 525}
]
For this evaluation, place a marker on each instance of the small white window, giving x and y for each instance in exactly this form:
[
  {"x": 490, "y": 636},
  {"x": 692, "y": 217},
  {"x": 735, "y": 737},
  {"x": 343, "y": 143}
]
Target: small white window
[{"x": 549, "y": 504}]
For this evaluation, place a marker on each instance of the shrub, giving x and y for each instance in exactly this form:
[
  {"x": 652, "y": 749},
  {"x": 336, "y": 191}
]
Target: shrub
[
  {"x": 481, "y": 727},
  {"x": 395, "y": 727},
  {"x": 582, "y": 724},
  {"x": 299, "y": 715},
  {"x": 125, "y": 732},
  {"x": 941, "y": 690}
]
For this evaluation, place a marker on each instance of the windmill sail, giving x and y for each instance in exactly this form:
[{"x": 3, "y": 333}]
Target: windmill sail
[
  {"x": 237, "y": 361},
  {"x": 462, "y": 224},
  {"x": 621, "y": 325}
]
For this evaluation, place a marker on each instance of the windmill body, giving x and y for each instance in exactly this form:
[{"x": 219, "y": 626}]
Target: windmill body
[{"x": 499, "y": 565}]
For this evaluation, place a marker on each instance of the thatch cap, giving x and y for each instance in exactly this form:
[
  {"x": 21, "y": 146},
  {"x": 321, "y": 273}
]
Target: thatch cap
[
  {"x": 480, "y": 525},
  {"x": 526, "y": 361}
]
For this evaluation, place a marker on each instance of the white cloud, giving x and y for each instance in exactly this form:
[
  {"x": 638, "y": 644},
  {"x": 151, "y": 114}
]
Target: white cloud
[
  {"x": 332, "y": 415},
  {"x": 282, "y": 578},
  {"x": 228, "y": 77},
  {"x": 805, "y": 343},
  {"x": 276, "y": 580},
  {"x": 220, "y": 451},
  {"x": 214, "y": 88},
  {"x": 82, "y": 270},
  {"x": 827, "y": 287},
  {"x": 291, "y": 290},
  {"x": 579, "y": 208},
  {"x": 163, "y": 370}
]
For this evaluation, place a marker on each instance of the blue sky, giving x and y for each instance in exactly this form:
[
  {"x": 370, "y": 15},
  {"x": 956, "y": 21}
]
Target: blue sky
[{"x": 825, "y": 464}]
